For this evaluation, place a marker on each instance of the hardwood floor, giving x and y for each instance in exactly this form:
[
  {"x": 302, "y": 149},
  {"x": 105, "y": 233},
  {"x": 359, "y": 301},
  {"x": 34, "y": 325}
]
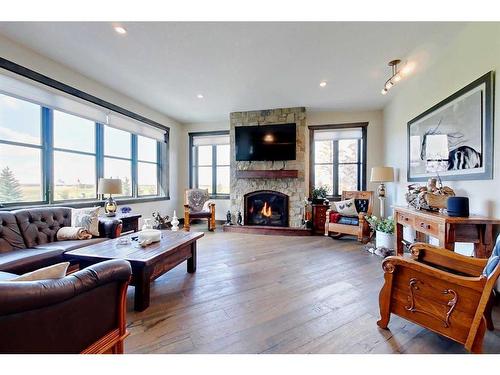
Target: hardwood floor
[{"x": 275, "y": 294}]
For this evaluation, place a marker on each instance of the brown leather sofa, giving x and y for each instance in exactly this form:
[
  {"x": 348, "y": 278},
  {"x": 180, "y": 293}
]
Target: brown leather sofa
[
  {"x": 80, "y": 313},
  {"x": 28, "y": 237}
]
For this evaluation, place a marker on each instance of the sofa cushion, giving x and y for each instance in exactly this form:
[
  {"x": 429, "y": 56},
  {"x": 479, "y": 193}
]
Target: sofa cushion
[
  {"x": 26, "y": 260},
  {"x": 55, "y": 271},
  {"x": 346, "y": 220},
  {"x": 40, "y": 225},
  {"x": 69, "y": 245},
  {"x": 199, "y": 214},
  {"x": 10, "y": 234}
]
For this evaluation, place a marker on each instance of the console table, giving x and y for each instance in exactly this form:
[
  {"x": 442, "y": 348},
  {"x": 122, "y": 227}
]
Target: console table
[{"x": 447, "y": 229}]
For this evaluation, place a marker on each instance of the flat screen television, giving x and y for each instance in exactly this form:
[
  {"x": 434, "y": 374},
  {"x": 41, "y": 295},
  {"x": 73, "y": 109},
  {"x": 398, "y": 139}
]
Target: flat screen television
[{"x": 265, "y": 142}]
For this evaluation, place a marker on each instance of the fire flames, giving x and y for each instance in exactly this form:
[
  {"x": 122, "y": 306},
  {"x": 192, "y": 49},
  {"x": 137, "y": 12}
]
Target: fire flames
[{"x": 266, "y": 210}]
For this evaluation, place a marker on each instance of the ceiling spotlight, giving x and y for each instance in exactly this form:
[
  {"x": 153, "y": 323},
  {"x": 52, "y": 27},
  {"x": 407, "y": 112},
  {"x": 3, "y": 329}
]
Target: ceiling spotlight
[
  {"x": 395, "y": 77},
  {"x": 199, "y": 96},
  {"x": 322, "y": 84},
  {"x": 120, "y": 30}
]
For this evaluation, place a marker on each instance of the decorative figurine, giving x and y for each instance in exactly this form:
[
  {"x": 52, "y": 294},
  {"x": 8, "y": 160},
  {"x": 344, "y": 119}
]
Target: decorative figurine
[
  {"x": 239, "y": 221},
  {"x": 228, "y": 218},
  {"x": 175, "y": 222},
  {"x": 161, "y": 222}
]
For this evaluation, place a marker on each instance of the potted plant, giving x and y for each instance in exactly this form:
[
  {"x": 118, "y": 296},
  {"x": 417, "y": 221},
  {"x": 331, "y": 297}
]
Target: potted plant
[
  {"x": 319, "y": 194},
  {"x": 384, "y": 229}
]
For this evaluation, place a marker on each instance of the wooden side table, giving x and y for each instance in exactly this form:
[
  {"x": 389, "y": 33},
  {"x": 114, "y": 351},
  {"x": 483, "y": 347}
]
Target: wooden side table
[
  {"x": 447, "y": 229},
  {"x": 319, "y": 218}
]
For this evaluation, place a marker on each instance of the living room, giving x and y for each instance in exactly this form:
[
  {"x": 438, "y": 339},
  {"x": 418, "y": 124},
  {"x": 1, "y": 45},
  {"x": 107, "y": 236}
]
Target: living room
[{"x": 250, "y": 187}]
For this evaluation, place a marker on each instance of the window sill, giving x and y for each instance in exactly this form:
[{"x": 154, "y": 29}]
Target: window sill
[
  {"x": 225, "y": 196},
  {"x": 90, "y": 203}
]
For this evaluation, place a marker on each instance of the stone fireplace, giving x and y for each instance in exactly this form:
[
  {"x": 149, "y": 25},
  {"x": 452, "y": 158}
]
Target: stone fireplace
[
  {"x": 266, "y": 207},
  {"x": 294, "y": 188}
]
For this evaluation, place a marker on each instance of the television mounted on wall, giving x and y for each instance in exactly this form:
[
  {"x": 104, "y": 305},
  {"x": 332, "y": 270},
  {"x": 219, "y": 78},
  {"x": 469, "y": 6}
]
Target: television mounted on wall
[{"x": 266, "y": 142}]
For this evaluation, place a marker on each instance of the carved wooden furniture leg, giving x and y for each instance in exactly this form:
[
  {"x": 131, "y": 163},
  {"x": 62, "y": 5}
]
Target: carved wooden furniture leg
[
  {"x": 477, "y": 346},
  {"x": 211, "y": 220},
  {"x": 186, "y": 218},
  {"x": 385, "y": 296}
]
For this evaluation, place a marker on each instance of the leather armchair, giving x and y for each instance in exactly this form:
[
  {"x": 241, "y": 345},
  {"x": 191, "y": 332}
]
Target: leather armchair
[
  {"x": 81, "y": 313},
  {"x": 198, "y": 206}
]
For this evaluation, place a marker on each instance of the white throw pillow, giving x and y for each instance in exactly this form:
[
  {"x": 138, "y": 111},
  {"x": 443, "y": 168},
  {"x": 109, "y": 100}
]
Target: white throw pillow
[
  {"x": 55, "y": 271},
  {"x": 87, "y": 218},
  {"x": 346, "y": 208}
]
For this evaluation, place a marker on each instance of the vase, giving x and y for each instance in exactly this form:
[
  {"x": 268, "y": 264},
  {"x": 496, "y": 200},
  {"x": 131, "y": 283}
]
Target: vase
[
  {"x": 385, "y": 240},
  {"x": 175, "y": 222}
]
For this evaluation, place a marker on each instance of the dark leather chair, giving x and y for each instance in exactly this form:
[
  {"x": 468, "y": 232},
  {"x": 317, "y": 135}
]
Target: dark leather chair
[
  {"x": 198, "y": 206},
  {"x": 81, "y": 313}
]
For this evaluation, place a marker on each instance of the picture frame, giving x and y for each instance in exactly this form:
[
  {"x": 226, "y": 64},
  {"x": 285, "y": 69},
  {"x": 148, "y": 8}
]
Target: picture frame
[{"x": 454, "y": 138}]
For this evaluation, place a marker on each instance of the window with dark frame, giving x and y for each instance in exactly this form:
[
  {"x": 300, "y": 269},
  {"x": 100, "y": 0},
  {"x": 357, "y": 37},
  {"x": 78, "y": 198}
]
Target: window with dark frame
[
  {"x": 338, "y": 158},
  {"x": 209, "y": 159},
  {"x": 49, "y": 156}
]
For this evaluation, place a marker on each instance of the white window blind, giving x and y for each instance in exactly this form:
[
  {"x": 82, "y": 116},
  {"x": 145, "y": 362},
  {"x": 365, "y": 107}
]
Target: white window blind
[
  {"x": 24, "y": 88},
  {"x": 336, "y": 134},
  {"x": 202, "y": 140}
]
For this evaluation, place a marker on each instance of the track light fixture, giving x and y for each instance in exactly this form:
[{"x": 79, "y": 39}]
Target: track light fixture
[{"x": 395, "y": 77}]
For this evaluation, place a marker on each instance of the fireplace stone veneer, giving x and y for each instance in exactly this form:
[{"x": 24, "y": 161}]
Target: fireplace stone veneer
[{"x": 294, "y": 187}]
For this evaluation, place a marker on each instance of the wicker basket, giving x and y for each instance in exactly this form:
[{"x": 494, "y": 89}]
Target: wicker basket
[{"x": 436, "y": 200}]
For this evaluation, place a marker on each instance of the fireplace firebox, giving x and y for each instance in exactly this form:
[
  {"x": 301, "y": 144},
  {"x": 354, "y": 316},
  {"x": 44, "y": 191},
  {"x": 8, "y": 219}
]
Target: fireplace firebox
[{"x": 266, "y": 207}]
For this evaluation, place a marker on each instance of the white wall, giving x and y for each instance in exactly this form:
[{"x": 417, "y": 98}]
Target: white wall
[
  {"x": 474, "y": 52},
  {"x": 221, "y": 205},
  {"x": 30, "y": 59},
  {"x": 375, "y": 146}
]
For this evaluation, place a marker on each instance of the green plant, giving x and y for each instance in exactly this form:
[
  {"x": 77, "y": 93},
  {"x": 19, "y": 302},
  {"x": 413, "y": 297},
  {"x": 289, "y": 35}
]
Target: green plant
[
  {"x": 320, "y": 192},
  {"x": 382, "y": 225}
]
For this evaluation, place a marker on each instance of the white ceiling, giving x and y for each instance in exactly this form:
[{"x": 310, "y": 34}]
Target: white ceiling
[{"x": 239, "y": 66}]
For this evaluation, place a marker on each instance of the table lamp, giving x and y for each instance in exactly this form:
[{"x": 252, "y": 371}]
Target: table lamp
[
  {"x": 110, "y": 186},
  {"x": 381, "y": 175}
]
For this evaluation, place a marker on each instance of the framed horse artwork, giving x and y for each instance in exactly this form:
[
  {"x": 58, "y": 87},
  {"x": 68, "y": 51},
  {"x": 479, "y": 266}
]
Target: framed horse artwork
[{"x": 454, "y": 138}]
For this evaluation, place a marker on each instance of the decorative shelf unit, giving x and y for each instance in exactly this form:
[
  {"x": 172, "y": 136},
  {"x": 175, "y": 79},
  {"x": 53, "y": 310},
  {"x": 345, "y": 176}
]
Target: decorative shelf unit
[{"x": 256, "y": 173}]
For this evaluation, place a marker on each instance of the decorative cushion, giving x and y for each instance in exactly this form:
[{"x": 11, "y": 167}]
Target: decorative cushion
[
  {"x": 55, "y": 271},
  {"x": 87, "y": 218},
  {"x": 348, "y": 220},
  {"x": 346, "y": 208},
  {"x": 361, "y": 205},
  {"x": 334, "y": 217},
  {"x": 196, "y": 199},
  {"x": 73, "y": 233}
]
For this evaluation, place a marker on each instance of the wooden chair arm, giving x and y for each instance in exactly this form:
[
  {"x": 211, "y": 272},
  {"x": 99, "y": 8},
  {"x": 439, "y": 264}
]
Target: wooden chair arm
[
  {"x": 390, "y": 265},
  {"x": 434, "y": 255}
]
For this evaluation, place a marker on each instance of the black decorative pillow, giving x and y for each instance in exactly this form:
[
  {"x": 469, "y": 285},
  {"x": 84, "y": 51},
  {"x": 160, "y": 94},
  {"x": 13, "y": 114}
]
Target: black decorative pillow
[{"x": 346, "y": 208}]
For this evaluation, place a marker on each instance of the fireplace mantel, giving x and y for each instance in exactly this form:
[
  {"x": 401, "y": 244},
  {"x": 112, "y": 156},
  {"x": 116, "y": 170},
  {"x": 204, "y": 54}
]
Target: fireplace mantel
[{"x": 267, "y": 173}]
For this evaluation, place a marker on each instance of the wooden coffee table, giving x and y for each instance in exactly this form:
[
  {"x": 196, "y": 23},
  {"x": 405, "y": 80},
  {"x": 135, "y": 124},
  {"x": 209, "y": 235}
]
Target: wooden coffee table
[{"x": 148, "y": 262}]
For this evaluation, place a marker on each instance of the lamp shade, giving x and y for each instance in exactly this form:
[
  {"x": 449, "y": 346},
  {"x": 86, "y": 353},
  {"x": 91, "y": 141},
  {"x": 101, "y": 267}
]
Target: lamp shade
[
  {"x": 382, "y": 174},
  {"x": 109, "y": 186}
]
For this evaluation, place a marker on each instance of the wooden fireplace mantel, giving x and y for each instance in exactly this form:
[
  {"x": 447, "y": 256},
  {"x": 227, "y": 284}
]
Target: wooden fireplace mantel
[{"x": 267, "y": 173}]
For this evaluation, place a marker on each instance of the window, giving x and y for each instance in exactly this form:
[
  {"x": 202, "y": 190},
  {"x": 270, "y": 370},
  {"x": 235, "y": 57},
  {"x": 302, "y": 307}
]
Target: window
[
  {"x": 338, "y": 158},
  {"x": 50, "y": 156},
  {"x": 118, "y": 157},
  {"x": 20, "y": 151},
  {"x": 74, "y": 157},
  {"x": 147, "y": 166},
  {"x": 209, "y": 162}
]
